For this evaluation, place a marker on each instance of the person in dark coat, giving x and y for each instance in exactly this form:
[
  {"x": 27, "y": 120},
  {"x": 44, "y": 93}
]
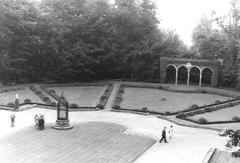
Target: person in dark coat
[{"x": 163, "y": 135}]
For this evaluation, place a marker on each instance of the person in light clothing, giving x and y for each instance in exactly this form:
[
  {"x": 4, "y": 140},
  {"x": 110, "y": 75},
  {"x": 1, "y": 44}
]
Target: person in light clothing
[
  {"x": 170, "y": 132},
  {"x": 12, "y": 117}
]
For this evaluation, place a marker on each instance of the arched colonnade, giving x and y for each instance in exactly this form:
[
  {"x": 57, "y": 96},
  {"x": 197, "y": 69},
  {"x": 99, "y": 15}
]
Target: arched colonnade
[
  {"x": 193, "y": 74},
  {"x": 189, "y": 71}
]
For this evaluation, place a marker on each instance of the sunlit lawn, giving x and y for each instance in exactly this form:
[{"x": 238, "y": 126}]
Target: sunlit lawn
[
  {"x": 10, "y": 96},
  {"x": 219, "y": 115},
  {"x": 137, "y": 98},
  {"x": 81, "y": 95}
]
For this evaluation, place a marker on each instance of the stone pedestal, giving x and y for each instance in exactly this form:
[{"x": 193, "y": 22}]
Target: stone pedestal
[{"x": 62, "y": 125}]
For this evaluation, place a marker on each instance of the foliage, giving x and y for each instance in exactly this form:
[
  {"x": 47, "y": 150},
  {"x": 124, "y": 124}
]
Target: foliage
[
  {"x": 202, "y": 120},
  {"x": 79, "y": 40},
  {"x": 73, "y": 106},
  {"x": 236, "y": 118},
  {"x": 221, "y": 43},
  {"x": 27, "y": 101},
  {"x": 144, "y": 109},
  {"x": 11, "y": 104}
]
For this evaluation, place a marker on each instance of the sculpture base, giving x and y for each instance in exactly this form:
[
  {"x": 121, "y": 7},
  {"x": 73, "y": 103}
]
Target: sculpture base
[{"x": 62, "y": 125}]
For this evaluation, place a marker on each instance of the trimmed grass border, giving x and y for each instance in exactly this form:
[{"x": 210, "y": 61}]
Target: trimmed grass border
[
  {"x": 118, "y": 99},
  {"x": 102, "y": 101}
]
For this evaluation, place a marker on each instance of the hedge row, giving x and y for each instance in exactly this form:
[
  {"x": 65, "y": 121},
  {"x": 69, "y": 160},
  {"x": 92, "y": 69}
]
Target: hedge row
[
  {"x": 167, "y": 88},
  {"x": 100, "y": 105},
  {"x": 172, "y": 89},
  {"x": 118, "y": 99},
  {"x": 205, "y": 121},
  {"x": 11, "y": 89},
  {"x": 103, "y": 99},
  {"x": 194, "y": 107},
  {"x": 74, "y": 84},
  {"x": 185, "y": 116},
  {"x": 44, "y": 98},
  {"x": 211, "y": 109}
]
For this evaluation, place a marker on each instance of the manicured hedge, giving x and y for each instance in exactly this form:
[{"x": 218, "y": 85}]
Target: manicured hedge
[
  {"x": 11, "y": 89},
  {"x": 194, "y": 107},
  {"x": 103, "y": 99},
  {"x": 44, "y": 98}
]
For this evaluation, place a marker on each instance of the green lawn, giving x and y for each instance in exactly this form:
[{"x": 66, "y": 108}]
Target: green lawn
[
  {"x": 81, "y": 95},
  {"x": 137, "y": 98},
  {"x": 10, "y": 96},
  {"x": 219, "y": 115}
]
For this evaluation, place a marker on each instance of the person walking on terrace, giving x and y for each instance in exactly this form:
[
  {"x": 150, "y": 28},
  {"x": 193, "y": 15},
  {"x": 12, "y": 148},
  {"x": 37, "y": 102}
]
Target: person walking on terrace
[
  {"x": 12, "y": 120},
  {"x": 170, "y": 132},
  {"x": 163, "y": 135}
]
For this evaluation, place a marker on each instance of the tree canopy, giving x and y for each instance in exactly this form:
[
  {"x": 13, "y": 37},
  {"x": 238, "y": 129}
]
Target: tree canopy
[{"x": 81, "y": 40}]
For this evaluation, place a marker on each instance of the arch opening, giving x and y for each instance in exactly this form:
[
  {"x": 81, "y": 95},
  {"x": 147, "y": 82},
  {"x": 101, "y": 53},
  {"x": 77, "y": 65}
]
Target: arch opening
[
  {"x": 182, "y": 75},
  {"x": 170, "y": 74},
  {"x": 194, "y": 76},
  {"x": 207, "y": 74}
]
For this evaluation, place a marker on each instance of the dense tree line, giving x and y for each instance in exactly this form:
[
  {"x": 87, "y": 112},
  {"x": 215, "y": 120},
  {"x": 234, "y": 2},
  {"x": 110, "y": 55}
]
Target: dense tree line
[
  {"x": 218, "y": 37},
  {"x": 82, "y": 40}
]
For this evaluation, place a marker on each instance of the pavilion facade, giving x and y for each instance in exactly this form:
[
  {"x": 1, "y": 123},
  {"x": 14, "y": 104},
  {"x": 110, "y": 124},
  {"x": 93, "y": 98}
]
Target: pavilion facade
[{"x": 189, "y": 71}]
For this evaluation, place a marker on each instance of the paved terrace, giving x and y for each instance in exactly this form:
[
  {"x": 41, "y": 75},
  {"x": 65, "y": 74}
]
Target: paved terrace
[
  {"x": 87, "y": 142},
  {"x": 116, "y": 137}
]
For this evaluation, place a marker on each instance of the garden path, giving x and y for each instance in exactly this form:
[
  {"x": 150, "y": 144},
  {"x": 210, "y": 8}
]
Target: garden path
[{"x": 113, "y": 94}]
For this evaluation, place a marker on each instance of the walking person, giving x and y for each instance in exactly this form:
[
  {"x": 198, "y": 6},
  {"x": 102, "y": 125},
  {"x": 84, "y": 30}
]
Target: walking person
[
  {"x": 36, "y": 118},
  {"x": 170, "y": 132},
  {"x": 163, "y": 135},
  {"x": 12, "y": 117}
]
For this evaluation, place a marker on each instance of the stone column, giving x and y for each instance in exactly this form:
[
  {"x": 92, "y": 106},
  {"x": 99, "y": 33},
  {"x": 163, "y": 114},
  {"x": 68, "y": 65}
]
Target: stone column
[
  {"x": 176, "y": 78},
  {"x": 200, "y": 78},
  {"x": 188, "y": 77}
]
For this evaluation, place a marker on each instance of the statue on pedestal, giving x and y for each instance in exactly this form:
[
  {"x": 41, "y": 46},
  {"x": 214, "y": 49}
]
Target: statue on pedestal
[{"x": 62, "y": 122}]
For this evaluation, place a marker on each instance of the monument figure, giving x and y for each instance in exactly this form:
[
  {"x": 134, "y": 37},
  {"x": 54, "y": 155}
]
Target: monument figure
[{"x": 62, "y": 122}]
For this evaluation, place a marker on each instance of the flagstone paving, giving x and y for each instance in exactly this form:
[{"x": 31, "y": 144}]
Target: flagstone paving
[{"x": 86, "y": 142}]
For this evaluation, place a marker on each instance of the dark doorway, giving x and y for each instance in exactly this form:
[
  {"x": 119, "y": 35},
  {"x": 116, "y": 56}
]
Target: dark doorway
[
  {"x": 207, "y": 77},
  {"x": 182, "y": 75},
  {"x": 194, "y": 76},
  {"x": 171, "y": 74}
]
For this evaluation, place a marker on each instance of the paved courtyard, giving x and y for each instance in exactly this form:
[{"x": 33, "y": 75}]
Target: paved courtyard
[
  {"x": 87, "y": 142},
  {"x": 116, "y": 137}
]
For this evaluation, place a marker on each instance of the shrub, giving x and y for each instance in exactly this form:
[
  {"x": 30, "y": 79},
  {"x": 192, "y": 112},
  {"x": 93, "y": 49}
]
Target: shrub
[
  {"x": 53, "y": 103},
  {"x": 32, "y": 87},
  {"x": 181, "y": 115},
  {"x": 121, "y": 89},
  {"x": 119, "y": 99},
  {"x": 116, "y": 106},
  {"x": 217, "y": 101},
  {"x": 103, "y": 97},
  {"x": 167, "y": 112},
  {"x": 231, "y": 104},
  {"x": 11, "y": 104},
  {"x": 160, "y": 87},
  {"x": 202, "y": 120},
  {"x": 38, "y": 92},
  {"x": 208, "y": 109},
  {"x": 100, "y": 106},
  {"x": 45, "y": 99},
  {"x": 74, "y": 106},
  {"x": 236, "y": 118},
  {"x": 27, "y": 101},
  {"x": 52, "y": 91},
  {"x": 144, "y": 109},
  {"x": 194, "y": 106},
  {"x": 190, "y": 114},
  {"x": 163, "y": 98},
  {"x": 203, "y": 91}
]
